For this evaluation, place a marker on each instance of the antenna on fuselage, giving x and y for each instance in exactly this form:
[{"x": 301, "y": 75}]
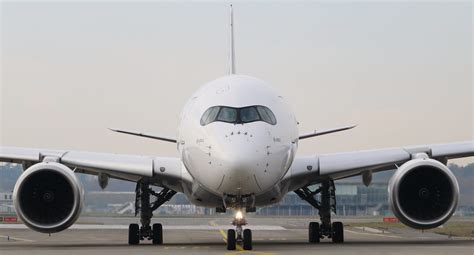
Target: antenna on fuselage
[{"x": 232, "y": 50}]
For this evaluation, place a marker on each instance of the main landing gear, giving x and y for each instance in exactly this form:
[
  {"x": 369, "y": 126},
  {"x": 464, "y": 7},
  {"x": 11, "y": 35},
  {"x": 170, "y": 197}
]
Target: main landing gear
[
  {"x": 239, "y": 235},
  {"x": 325, "y": 205},
  {"x": 143, "y": 205}
]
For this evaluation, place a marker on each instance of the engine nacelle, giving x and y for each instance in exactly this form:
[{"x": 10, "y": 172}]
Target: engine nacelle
[
  {"x": 423, "y": 193},
  {"x": 48, "y": 197}
]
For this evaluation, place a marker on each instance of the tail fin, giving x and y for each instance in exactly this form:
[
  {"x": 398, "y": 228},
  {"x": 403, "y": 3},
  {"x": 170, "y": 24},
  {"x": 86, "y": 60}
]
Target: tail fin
[{"x": 232, "y": 50}]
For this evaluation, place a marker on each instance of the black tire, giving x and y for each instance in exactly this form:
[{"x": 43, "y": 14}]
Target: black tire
[
  {"x": 313, "y": 232},
  {"x": 157, "y": 234},
  {"x": 247, "y": 239},
  {"x": 337, "y": 232},
  {"x": 133, "y": 234},
  {"x": 231, "y": 239}
]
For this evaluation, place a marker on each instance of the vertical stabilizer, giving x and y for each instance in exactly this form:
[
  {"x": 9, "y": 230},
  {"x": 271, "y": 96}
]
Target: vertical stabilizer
[{"x": 232, "y": 50}]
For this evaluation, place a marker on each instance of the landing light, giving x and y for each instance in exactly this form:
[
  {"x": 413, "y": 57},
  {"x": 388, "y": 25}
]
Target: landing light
[{"x": 239, "y": 215}]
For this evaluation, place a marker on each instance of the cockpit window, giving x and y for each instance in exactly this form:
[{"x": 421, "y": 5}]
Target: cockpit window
[
  {"x": 209, "y": 115},
  {"x": 227, "y": 114},
  {"x": 249, "y": 114},
  {"x": 266, "y": 115},
  {"x": 238, "y": 115}
]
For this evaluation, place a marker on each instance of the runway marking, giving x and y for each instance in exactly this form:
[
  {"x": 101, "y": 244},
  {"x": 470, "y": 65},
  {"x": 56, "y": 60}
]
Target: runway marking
[
  {"x": 239, "y": 248},
  {"x": 371, "y": 234},
  {"x": 16, "y": 238},
  {"x": 175, "y": 247},
  {"x": 276, "y": 239},
  {"x": 201, "y": 247},
  {"x": 373, "y": 230},
  {"x": 186, "y": 247}
]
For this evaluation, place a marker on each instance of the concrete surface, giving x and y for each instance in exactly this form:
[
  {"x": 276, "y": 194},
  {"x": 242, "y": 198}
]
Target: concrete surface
[{"x": 207, "y": 236}]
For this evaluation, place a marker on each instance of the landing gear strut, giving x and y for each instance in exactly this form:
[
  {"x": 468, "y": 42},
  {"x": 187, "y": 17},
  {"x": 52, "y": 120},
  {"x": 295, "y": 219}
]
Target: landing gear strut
[
  {"x": 239, "y": 235},
  {"x": 145, "y": 208},
  {"x": 325, "y": 205}
]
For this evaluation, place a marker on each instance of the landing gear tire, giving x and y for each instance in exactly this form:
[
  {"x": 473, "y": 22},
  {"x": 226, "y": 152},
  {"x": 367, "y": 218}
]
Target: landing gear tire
[
  {"x": 313, "y": 232},
  {"x": 231, "y": 239},
  {"x": 325, "y": 204},
  {"x": 337, "y": 232},
  {"x": 247, "y": 242},
  {"x": 157, "y": 234},
  {"x": 133, "y": 234}
]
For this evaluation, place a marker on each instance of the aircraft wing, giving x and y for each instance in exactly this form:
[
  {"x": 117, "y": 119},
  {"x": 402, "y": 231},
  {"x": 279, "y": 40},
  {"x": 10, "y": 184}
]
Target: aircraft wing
[
  {"x": 160, "y": 171},
  {"x": 312, "y": 169}
]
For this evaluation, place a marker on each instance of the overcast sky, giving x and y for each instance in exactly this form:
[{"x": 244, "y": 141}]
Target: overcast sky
[{"x": 402, "y": 71}]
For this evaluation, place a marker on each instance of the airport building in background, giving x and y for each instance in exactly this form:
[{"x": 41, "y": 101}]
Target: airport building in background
[
  {"x": 352, "y": 199},
  {"x": 6, "y": 203}
]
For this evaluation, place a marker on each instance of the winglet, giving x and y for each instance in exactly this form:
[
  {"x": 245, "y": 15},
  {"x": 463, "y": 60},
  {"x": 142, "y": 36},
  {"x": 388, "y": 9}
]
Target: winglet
[
  {"x": 162, "y": 138},
  {"x": 324, "y": 132},
  {"x": 232, "y": 50}
]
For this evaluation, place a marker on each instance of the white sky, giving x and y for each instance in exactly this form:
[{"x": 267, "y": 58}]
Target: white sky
[{"x": 402, "y": 71}]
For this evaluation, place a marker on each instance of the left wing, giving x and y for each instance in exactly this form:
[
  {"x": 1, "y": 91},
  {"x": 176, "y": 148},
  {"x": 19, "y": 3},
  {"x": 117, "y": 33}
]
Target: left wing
[
  {"x": 160, "y": 171},
  {"x": 312, "y": 169}
]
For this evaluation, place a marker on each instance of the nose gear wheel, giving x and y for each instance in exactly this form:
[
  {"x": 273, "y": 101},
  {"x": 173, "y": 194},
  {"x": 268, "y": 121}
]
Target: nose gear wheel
[{"x": 239, "y": 235}]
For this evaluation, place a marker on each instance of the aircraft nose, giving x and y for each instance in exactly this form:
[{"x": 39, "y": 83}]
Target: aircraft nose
[
  {"x": 246, "y": 160},
  {"x": 240, "y": 157}
]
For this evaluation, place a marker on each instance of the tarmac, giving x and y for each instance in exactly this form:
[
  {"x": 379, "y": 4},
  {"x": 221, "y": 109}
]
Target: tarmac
[{"x": 208, "y": 236}]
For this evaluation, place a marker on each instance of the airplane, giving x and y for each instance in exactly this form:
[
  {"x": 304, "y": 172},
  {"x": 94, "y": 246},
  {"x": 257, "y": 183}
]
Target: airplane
[{"x": 237, "y": 142}]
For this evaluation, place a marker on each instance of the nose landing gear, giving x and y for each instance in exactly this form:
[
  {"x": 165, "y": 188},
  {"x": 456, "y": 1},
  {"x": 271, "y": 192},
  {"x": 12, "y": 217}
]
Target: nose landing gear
[
  {"x": 325, "y": 205},
  {"x": 239, "y": 235}
]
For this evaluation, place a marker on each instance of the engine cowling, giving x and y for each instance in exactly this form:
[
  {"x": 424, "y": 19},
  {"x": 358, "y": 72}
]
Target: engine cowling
[
  {"x": 423, "y": 193},
  {"x": 48, "y": 197}
]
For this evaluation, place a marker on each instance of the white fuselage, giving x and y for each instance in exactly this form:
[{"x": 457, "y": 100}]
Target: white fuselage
[{"x": 237, "y": 159}]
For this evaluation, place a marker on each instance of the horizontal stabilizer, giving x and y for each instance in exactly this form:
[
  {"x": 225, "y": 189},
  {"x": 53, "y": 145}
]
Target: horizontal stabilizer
[
  {"x": 162, "y": 138},
  {"x": 324, "y": 132}
]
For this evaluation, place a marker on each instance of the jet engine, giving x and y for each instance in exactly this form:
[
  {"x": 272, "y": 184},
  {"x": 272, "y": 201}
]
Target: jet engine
[
  {"x": 423, "y": 193},
  {"x": 48, "y": 197}
]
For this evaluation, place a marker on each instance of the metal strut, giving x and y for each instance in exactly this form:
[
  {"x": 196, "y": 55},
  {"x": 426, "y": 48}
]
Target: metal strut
[
  {"x": 325, "y": 205},
  {"x": 146, "y": 208}
]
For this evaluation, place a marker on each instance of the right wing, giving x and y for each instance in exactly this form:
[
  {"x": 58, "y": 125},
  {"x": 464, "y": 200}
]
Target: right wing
[{"x": 160, "y": 171}]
